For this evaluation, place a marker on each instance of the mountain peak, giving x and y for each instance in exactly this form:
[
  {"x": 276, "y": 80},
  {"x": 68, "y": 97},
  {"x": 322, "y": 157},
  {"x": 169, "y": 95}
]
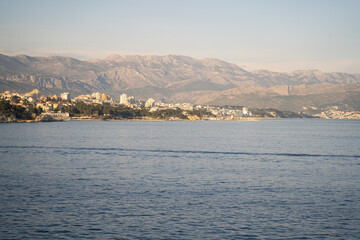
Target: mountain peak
[
  {"x": 112, "y": 57},
  {"x": 24, "y": 57}
]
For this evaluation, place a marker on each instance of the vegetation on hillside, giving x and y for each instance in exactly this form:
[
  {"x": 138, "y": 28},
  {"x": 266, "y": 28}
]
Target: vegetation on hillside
[
  {"x": 105, "y": 112},
  {"x": 9, "y": 110},
  {"x": 120, "y": 112}
]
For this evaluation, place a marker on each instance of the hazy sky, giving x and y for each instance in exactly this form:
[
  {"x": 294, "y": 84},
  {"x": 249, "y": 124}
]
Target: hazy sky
[{"x": 275, "y": 35}]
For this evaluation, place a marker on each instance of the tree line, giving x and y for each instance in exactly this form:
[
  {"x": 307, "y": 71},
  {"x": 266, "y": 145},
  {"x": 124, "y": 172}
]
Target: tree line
[
  {"x": 23, "y": 113},
  {"x": 29, "y": 112},
  {"x": 119, "y": 112}
]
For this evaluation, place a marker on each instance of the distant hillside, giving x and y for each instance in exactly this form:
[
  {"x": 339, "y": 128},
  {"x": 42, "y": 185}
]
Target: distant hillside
[
  {"x": 297, "y": 98},
  {"x": 178, "y": 78}
]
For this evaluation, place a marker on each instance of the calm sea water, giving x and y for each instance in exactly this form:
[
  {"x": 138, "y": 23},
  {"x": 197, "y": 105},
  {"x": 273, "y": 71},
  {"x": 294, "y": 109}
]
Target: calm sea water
[{"x": 272, "y": 179}]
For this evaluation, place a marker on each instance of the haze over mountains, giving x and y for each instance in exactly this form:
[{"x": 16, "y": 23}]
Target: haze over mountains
[{"x": 176, "y": 78}]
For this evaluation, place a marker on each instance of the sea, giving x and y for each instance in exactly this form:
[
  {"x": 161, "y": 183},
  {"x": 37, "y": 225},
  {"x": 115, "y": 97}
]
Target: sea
[{"x": 268, "y": 179}]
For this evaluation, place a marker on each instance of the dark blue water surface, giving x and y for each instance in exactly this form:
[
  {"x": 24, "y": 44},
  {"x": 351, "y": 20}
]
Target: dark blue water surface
[{"x": 272, "y": 179}]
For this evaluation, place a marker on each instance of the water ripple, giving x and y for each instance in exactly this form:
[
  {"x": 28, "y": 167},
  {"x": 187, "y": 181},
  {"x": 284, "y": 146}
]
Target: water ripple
[{"x": 107, "y": 151}]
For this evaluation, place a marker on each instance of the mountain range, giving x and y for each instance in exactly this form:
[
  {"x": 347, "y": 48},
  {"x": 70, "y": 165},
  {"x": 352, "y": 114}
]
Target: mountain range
[{"x": 174, "y": 78}]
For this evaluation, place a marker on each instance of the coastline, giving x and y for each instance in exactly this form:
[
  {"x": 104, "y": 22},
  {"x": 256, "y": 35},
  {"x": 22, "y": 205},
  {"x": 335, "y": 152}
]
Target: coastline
[
  {"x": 190, "y": 118},
  {"x": 163, "y": 120},
  {"x": 136, "y": 119}
]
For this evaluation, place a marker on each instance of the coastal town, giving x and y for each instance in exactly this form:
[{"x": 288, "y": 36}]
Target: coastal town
[
  {"x": 100, "y": 106},
  {"x": 35, "y": 107}
]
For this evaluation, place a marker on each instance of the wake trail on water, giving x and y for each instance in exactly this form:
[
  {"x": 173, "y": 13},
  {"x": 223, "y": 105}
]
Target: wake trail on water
[{"x": 75, "y": 150}]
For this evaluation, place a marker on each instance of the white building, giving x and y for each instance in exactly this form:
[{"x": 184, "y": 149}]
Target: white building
[
  {"x": 32, "y": 99},
  {"x": 65, "y": 96},
  {"x": 245, "y": 111},
  {"x": 124, "y": 99},
  {"x": 150, "y": 103},
  {"x": 97, "y": 95},
  {"x": 187, "y": 107}
]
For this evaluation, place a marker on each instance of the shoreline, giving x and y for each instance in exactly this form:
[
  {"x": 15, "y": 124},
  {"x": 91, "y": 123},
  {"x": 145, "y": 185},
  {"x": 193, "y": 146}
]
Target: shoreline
[
  {"x": 138, "y": 119},
  {"x": 254, "y": 119}
]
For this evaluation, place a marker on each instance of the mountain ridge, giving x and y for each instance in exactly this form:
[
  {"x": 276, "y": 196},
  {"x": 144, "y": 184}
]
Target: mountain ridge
[{"x": 167, "y": 78}]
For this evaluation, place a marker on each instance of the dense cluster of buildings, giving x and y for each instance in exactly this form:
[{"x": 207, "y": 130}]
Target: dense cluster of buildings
[
  {"x": 45, "y": 103},
  {"x": 51, "y": 104},
  {"x": 154, "y": 106},
  {"x": 95, "y": 98},
  {"x": 225, "y": 112},
  {"x": 334, "y": 112}
]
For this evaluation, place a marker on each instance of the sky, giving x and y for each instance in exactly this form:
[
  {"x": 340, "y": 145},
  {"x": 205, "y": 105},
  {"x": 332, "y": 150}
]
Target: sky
[{"x": 276, "y": 35}]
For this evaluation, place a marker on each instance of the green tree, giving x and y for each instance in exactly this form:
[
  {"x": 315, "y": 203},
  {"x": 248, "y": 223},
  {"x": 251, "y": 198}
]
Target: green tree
[{"x": 16, "y": 99}]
